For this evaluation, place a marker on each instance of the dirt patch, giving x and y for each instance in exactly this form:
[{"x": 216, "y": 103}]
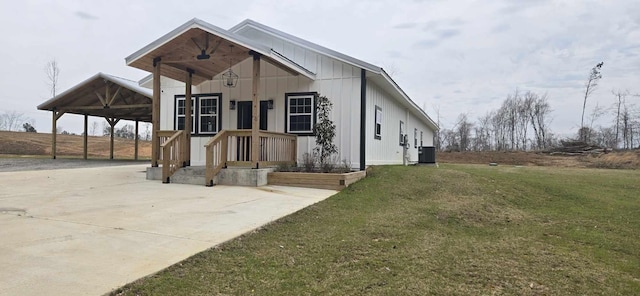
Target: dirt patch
[
  {"x": 617, "y": 159},
  {"x": 21, "y": 143}
]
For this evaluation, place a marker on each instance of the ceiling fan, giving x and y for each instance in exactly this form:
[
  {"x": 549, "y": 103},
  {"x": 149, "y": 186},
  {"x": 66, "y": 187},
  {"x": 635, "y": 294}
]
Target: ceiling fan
[{"x": 203, "y": 50}]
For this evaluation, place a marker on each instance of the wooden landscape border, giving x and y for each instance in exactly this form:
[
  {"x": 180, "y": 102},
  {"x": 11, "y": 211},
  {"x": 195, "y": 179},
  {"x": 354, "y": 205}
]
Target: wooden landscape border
[{"x": 333, "y": 181}]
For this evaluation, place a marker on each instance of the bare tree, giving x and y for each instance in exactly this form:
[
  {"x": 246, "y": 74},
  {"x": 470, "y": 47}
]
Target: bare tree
[
  {"x": 621, "y": 97},
  {"x": 437, "y": 137},
  {"x": 53, "y": 71},
  {"x": 590, "y": 86},
  {"x": 463, "y": 131},
  {"x": 539, "y": 120},
  {"x": 12, "y": 120},
  {"x": 94, "y": 128}
]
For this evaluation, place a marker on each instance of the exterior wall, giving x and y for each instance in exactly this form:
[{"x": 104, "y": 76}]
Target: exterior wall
[
  {"x": 387, "y": 149},
  {"x": 337, "y": 81},
  {"x": 306, "y": 58}
]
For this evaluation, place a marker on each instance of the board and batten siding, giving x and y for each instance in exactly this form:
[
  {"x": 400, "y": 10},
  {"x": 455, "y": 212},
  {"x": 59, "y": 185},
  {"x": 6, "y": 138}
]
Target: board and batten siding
[
  {"x": 387, "y": 149},
  {"x": 336, "y": 80}
]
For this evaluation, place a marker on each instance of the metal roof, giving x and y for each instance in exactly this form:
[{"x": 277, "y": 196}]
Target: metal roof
[{"x": 104, "y": 95}]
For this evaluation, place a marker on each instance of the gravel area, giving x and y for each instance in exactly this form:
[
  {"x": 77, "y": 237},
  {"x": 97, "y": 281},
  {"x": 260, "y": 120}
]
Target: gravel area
[{"x": 32, "y": 164}]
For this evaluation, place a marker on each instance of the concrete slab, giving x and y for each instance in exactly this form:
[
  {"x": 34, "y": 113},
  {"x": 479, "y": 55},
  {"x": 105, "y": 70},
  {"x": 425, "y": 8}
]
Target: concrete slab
[{"x": 88, "y": 231}]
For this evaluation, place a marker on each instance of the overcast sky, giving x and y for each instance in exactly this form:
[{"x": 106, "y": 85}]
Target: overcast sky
[{"x": 455, "y": 56}]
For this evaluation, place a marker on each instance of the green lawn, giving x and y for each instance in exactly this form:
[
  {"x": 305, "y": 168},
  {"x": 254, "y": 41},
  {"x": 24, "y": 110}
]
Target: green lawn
[{"x": 457, "y": 229}]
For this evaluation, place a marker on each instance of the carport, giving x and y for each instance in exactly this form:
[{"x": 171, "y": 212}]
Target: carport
[{"x": 110, "y": 97}]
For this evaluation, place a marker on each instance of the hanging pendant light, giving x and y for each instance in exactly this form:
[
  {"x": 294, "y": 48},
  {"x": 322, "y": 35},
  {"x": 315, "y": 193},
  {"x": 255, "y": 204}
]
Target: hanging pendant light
[{"x": 229, "y": 78}]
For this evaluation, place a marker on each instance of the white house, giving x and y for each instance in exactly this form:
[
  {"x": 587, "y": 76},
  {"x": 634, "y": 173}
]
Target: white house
[{"x": 285, "y": 74}]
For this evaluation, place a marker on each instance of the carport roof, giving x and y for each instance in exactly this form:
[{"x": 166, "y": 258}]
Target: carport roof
[{"x": 106, "y": 96}]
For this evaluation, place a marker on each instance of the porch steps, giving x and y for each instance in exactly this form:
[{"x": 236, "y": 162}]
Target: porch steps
[{"x": 195, "y": 175}]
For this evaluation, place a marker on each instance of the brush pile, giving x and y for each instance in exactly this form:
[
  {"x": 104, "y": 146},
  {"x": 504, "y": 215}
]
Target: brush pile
[{"x": 576, "y": 148}]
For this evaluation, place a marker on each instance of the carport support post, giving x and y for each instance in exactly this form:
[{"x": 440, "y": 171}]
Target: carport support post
[
  {"x": 187, "y": 119},
  {"x": 54, "y": 130},
  {"x": 255, "y": 125},
  {"x": 112, "y": 122},
  {"x": 84, "y": 139},
  {"x": 155, "y": 114},
  {"x": 135, "y": 150}
]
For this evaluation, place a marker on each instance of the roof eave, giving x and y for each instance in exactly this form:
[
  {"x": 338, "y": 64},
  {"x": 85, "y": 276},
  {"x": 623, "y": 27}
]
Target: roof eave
[{"x": 404, "y": 95}]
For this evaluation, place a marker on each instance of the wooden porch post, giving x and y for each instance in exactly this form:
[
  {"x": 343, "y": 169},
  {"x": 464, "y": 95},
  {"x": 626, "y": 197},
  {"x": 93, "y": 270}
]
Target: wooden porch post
[
  {"x": 255, "y": 124},
  {"x": 155, "y": 114},
  {"x": 187, "y": 118},
  {"x": 54, "y": 120},
  {"x": 85, "y": 138},
  {"x": 135, "y": 150}
]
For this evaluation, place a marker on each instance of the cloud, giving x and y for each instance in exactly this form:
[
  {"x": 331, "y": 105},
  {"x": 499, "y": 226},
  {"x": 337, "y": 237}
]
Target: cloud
[
  {"x": 405, "y": 26},
  {"x": 396, "y": 54},
  {"x": 86, "y": 16},
  {"x": 428, "y": 43},
  {"x": 447, "y": 33}
]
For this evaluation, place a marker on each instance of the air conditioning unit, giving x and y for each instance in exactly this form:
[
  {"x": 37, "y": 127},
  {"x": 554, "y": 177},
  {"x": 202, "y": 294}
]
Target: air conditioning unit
[{"x": 427, "y": 154}]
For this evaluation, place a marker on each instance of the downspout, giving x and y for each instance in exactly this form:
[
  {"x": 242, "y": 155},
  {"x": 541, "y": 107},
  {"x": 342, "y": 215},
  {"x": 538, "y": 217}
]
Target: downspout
[{"x": 363, "y": 117}]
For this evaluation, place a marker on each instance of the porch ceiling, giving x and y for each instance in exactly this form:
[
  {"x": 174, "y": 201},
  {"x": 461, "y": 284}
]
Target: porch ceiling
[
  {"x": 178, "y": 51},
  {"x": 104, "y": 96},
  {"x": 180, "y": 54}
]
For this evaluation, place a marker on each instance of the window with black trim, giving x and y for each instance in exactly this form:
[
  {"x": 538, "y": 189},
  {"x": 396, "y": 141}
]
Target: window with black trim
[
  {"x": 415, "y": 138},
  {"x": 301, "y": 113},
  {"x": 402, "y": 143},
  {"x": 208, "y": 115},
  {"x": 205, "y": 113},
  {"x": 180, "y": 113},
  {"x": 378, "y": 124},
  {"x": 421, "y": 144}
]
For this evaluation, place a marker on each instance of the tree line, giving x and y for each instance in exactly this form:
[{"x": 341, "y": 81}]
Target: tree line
[{"x": 522, "y": 123}]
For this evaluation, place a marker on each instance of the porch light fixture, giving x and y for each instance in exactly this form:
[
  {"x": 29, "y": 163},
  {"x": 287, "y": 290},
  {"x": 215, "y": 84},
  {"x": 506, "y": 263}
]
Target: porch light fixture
[
  {"x": 230, "y": 79},
  {"x": 270, "y": 104}
]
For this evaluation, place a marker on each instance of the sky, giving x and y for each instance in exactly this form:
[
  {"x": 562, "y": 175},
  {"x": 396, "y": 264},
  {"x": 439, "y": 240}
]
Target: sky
[{"x": 450, "y": 57}]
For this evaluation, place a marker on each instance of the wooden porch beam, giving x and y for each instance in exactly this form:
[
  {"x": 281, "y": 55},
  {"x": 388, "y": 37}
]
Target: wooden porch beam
[
  {"x": 255, "y": 124},
  {"x": 187, "y": 118},
  {"x": 55, "y": 115},
  {"x": 155, "y": 113}
]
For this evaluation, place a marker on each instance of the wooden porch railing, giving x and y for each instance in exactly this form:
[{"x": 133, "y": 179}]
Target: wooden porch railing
[
  {"x": 173, "y": 147},
  {"x": 233, "y": 148}
]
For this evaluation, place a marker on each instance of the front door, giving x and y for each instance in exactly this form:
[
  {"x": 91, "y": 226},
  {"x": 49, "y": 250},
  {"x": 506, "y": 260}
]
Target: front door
[{"x": 244, "y": 115}]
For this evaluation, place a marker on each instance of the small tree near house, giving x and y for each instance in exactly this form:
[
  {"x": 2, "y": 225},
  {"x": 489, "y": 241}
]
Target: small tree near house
[{"x": 325, "y": 131}]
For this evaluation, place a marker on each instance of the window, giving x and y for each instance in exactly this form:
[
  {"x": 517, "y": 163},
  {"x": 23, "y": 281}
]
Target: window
[
  {"x": 301, "y": 113},
  {"x": 415, "y": 138},
  {"x": 180, "y": 113},
  {"x": 402, "y": 143},
  {"x": 208, "y": 115},
  {"x": 421, "y": 139},
  {"x": 205, "y": 113},
  {"x": 378, "y": 124}
]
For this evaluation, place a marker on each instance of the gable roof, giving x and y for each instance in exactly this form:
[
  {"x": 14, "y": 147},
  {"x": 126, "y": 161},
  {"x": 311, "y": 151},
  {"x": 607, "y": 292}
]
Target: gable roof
[
  {"x": 128, "y": 100},
  {"x": 378, "y": 74},
  {"x": 176, "y": 40}
]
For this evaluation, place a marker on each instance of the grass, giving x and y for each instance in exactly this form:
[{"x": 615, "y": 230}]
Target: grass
[{"x": 458, "y": 229}]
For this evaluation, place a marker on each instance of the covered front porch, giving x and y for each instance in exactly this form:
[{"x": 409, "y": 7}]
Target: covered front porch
[{"x": 196, "y": 53}]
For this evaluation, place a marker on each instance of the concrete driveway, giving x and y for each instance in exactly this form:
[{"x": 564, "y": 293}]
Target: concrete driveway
[{"x": 90, "y": 230}]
